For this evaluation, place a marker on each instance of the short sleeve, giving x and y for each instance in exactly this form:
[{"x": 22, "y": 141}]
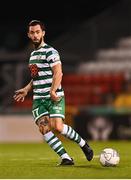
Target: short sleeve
[{"x": 53, "y": 57}]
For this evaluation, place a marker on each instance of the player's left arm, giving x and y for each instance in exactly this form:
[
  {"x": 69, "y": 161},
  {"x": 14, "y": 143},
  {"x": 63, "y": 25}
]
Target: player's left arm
[{"x": 56, "y": 82}]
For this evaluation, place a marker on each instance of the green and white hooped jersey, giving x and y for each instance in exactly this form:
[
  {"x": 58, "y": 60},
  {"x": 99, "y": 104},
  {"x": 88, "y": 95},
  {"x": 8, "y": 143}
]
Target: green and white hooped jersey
[{"x": 40, "y": 64}]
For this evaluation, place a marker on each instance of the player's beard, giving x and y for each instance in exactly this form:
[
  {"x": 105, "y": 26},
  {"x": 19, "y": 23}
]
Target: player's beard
[{"x": 38, "y": 43}]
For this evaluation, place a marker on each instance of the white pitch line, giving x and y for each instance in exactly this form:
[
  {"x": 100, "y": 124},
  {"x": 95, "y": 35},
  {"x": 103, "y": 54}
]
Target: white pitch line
[
  {"x": 29, "y": 159},
  {"x": 44, "y": 158},
  {"x": 22, "y": 159},
  {"x": 96, "y": 156}
]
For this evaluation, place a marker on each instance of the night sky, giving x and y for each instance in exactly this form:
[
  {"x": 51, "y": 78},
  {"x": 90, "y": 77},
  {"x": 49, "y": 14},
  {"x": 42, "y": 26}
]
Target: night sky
[
  {"x": 58, "y": 16},
  {"x": 58, "y": 11}
]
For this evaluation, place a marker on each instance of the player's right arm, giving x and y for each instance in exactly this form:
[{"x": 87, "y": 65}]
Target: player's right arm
[{"x": 21, "y": 93}]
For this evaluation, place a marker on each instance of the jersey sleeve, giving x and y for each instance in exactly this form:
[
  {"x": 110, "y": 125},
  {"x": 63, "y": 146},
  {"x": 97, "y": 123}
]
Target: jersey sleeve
[{"x": 53, "y": 57}]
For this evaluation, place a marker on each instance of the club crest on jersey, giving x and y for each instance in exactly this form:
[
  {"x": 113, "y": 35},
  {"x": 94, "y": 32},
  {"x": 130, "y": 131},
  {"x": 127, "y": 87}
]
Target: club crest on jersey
[{"x": 33, "y": 70}]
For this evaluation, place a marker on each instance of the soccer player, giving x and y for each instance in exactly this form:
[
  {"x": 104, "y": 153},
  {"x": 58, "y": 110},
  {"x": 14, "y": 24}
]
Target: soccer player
[{"x": 48, "y": 95}]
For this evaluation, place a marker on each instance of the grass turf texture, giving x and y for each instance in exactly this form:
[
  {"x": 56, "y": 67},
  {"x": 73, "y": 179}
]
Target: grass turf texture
[{"x": 38, "y": 161}]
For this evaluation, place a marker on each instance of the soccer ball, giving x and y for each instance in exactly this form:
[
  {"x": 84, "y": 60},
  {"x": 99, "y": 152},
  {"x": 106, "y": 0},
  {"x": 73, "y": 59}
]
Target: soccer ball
[{"x": 109, "y": 157}]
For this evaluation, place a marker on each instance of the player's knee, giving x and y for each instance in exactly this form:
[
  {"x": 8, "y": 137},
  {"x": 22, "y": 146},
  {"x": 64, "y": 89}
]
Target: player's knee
[
  {"x": 44, "y": 129},
  {"x": 57, "y": 124},
  {"x": 58, "y": 127},
  {"x": 43, "y": 125}
]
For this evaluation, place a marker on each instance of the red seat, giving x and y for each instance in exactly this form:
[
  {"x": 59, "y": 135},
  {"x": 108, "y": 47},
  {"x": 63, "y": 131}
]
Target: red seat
[{"x": 27, "y": 103}]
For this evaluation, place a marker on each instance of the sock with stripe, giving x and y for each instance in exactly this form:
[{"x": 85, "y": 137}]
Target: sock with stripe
[
  {"x": 56, "y": 145},
  {"x": 70, "y": 133}
]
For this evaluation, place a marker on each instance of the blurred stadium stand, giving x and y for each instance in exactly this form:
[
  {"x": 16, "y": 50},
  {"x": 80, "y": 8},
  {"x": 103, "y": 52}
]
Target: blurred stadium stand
[{"x": 96, "y": 56}]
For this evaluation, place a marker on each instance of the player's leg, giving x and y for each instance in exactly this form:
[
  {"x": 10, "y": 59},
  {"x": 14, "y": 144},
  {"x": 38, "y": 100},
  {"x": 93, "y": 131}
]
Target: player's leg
[
  {"x": 42, "y": 120},
  {"x": 71, "y": 134},
  {"x": 52, "y": 140},
  {"x": 57, "y": 116}
]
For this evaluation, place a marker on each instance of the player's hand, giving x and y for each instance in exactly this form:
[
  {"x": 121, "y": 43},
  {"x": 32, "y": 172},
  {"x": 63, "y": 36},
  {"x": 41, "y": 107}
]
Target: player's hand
[
  {"x": 54, "y": 96},
  {"x": 20, "y": 95}
]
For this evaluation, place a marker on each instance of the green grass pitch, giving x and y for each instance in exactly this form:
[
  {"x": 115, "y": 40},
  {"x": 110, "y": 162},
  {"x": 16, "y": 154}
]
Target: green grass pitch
[{"x": 38, "y": 161}]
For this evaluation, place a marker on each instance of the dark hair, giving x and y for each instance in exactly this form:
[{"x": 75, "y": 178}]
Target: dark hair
[{"x": 34, "y": 23}]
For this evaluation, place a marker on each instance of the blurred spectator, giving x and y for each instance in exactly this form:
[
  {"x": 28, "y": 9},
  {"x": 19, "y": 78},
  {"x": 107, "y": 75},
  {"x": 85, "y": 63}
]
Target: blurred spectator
[{"x": 124, "y": 99}]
